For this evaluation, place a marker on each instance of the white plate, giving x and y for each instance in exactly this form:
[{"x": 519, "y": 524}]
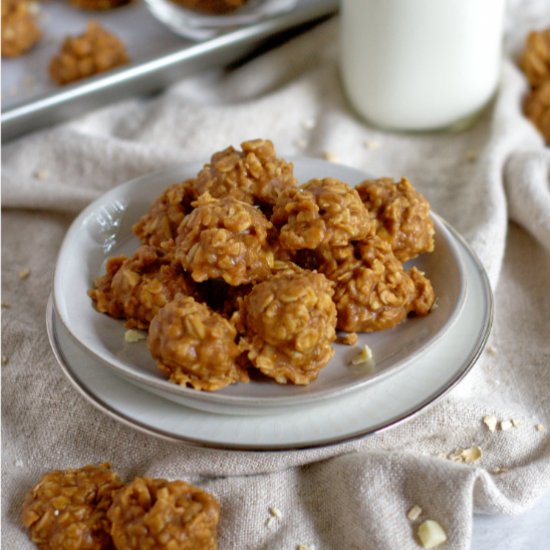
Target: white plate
[
  {"x": 104, "y": 229},
  {"x": 372, "y": 409}
]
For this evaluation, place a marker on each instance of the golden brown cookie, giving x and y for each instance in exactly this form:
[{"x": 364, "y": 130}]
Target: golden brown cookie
[
  {"x": 67, "y": 510},
  {"x": 136, "y": 288},
  {"x": 402, "y": 216},
  {"x": 195, "y": 346},
  {"x": 372, "y": 290},
  {"x": 95, "y": 51},
  {"x": 535, "y": 59},
  {"x": 290, "y": 324},
  {"x": 161, "y": 222},
  {"x": 156, "y": 514},
  {"x": 225, "y": 239},
  {"x": 20, "y": 31},
  {"x": 537, "y": 108},
  {"x": 254, "y": 175}
]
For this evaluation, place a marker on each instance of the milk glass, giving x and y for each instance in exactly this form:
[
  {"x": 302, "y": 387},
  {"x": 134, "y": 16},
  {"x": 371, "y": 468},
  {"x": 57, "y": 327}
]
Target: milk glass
[{"x": 421, "y": 65}]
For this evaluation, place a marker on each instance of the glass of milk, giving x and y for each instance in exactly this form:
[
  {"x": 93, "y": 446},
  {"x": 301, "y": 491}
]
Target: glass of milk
[{"x": 421, "y": 65}]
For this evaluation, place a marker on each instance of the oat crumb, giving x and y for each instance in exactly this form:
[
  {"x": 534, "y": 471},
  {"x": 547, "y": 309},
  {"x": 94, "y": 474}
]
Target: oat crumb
[
  {"x": 304, "y": 547},
  {"x": 364, "y": 356},
  {"x": 133, "y": 336},
  {"x": 331, "y": 157},
  {"x": 466, "y": 456},
  {"x": 5, "y": 305},
  {"x": 492, "y": 350},
  {"x": 275, "y": 512},
  {"x": 414, "y": 513},
  {"x": 348, "y": 339},
  {"x": 431, "y": 534},
  {"x": 309, "y": 124},
  {"x": 270, "y": 522},
  {"x": 516, "y": 422},
  {"x": 5, "y": 360},
  {"x": 372, "y": 144},
  {"x": 491, "y": 422},
  {"x": 24, "y": 273},
  {"x": 499, "y": 470},
  {"x": 41, "y": 174},
  {"x": 540, "y": 428},
  {"x": 471, "y": 155},
  {"x": 471, "y": 455},
  {"x": 505, "y": 425}
]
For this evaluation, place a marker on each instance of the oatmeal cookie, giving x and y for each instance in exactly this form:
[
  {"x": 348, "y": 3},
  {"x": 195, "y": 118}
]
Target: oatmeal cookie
[
  {"x": 161, "y": 222},
  {"x": 373, "y": 292},
  {"x": 537, "y": 108},
  {"x": 212, "y": 6},
  {"x": 321, "y": 212},
  {"x": 290, "y": 321},
  {"x": 20, "y": 31},
  {"x": 156, "y": 514},
  {"x": 95, "y": 51},
  {"x": 402, "y": 216},
  {"x": 535, "y": 60},
  {"x": 195, "y": 346},
  {"x": 67, "y": 510},
  {"x": 254, "y": 175},
  {"x": 227, "y": 239},
  {"x": 136, "y": 288}
]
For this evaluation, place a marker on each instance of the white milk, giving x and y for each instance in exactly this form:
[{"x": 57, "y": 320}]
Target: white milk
[{"x": 420, "y": 64}]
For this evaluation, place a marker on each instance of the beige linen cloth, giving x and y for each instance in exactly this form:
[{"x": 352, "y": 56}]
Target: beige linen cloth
[{"x": 491, "y": 182}]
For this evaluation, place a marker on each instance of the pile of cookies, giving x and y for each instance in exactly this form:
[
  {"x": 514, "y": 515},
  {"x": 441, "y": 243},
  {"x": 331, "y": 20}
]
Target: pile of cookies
[
  {"x": 242, "y": 268},
  {"x": 91, "y": 507},
  {"x": 95, "y": 51},
  {"x": 535, "y": 63}
]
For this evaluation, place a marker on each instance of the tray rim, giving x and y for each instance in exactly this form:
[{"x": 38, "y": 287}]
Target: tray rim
[{"x": 154, "y": 73}]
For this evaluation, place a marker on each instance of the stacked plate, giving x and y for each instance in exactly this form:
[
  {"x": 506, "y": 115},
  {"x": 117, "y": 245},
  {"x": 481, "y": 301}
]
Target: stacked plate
[{"x": 413, "y": 364}]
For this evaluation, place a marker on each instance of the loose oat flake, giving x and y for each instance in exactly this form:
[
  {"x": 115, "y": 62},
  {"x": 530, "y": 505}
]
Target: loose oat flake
[
  {"x": 364, "y": 356},
  {"x": 41, "y": 174},
  {"x": 414, "y": 513},
  {"x": 516, "y": 423},
  {"x": 431, "y": 534},
  {"x": 540, "y": 427},
  {"x": 491, "y": 422},
  {"x": 304, "y": 547},
  {"x": 24, "y": 273},
  {"x": 133, "y": 336},
  {"x": 467, "y": 456},
  {"x": 331, "y": 157},
  {"x": 471, "y": 455},
  {"x": 505, "y": 425},
  {"x": 275, "y": 512},
  {"x": 270, "y": 522},
  {"x": 372, "y": 144}
]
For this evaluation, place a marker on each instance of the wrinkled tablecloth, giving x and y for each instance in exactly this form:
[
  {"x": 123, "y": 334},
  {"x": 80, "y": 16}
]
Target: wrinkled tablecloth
[{"x": 491, "y": 182}]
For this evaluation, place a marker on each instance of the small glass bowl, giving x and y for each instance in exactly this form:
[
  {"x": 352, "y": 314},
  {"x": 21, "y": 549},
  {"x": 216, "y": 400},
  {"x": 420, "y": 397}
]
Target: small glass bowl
[{"x": 197, "y": 26}]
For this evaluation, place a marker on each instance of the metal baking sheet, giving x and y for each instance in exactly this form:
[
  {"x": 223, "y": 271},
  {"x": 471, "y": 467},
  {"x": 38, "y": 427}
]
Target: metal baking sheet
[{"x": 30, "y": 101}]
